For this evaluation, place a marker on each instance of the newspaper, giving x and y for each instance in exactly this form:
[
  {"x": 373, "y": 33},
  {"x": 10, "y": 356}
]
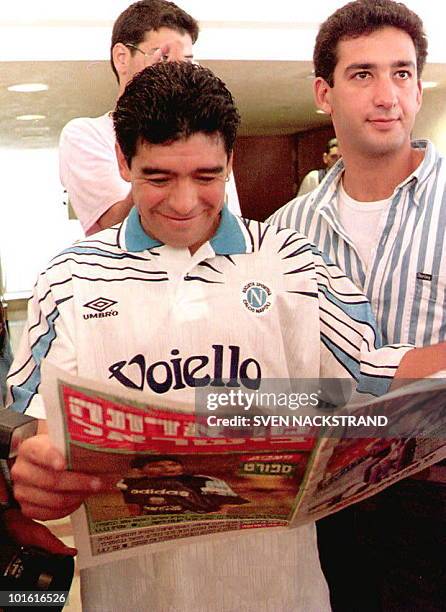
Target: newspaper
[{"x": 172, "y": 480}]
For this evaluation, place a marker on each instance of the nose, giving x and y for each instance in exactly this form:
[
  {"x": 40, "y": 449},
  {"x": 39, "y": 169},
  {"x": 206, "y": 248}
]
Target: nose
[
  {"x": 385, "y": 93},
  {"x": 183, "y": 198}
]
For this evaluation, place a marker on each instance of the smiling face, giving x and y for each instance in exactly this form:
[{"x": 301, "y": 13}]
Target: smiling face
[
  {"x": 375, "y": 95},
  {"x": 179, "y": 188}
]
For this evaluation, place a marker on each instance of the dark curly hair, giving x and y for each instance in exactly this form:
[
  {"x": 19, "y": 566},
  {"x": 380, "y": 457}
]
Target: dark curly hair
[
  {"x": 170, "y": 101},
  {"x": 364, "y": 17},
  {"x": 141, "y": 17}
]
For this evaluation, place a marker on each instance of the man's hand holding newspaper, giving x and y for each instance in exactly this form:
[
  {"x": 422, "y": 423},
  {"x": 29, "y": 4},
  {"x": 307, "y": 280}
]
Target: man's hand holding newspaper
[
  {"x": 43, "y": 486},
  {"x": 137, "y": 471}
]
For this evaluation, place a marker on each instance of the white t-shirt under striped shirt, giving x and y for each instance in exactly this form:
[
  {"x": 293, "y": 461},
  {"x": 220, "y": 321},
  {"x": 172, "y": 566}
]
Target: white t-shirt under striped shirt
[{"x": 363, "y": 222}]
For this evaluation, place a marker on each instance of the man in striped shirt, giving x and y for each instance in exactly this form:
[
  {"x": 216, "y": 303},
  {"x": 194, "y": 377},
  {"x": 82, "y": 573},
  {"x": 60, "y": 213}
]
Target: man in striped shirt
[{"x": 380, "y": 215}]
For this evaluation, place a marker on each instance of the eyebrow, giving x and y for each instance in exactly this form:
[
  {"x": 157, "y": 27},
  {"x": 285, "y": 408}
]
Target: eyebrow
[
  {"x": 368, "y": 65},
  {"x": 149, "y": 171}
]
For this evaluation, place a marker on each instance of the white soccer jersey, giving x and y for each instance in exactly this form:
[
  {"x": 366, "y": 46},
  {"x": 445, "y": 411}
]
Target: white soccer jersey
[{"x": 254, "y": 302}]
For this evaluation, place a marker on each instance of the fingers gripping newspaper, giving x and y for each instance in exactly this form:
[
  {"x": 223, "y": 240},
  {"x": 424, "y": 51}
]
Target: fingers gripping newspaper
[{"x": 172, "y": 479}]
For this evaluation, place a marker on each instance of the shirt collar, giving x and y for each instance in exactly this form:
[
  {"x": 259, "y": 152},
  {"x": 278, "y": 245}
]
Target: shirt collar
[
  {"x": 324, "y": 194},
  {"x": 422, "y": 174},
  {"x": 231, "y": 237}
]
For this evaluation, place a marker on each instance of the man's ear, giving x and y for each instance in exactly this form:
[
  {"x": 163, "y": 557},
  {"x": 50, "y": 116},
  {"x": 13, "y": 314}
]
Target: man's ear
[
  {"x": 419, "y": 94},
  {"x": 124, "y": 169},
  {"x": 121, "y": 57},
  {"x": 322, "y": 94}
]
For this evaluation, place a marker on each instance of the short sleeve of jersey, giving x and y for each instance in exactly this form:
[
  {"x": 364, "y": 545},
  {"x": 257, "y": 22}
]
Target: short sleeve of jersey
[{"x": 47, "y": 335}]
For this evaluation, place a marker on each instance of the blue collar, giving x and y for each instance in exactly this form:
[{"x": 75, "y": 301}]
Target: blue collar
[{"x": 231, "y": 237}]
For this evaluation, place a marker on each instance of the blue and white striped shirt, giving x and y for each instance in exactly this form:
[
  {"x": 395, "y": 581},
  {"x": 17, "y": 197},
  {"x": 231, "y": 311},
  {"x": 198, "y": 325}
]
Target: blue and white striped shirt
[{"x": 406, "y": 279}]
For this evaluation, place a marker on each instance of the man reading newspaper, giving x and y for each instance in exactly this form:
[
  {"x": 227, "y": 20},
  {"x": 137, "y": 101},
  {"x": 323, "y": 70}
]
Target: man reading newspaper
[{"x": 181, "y": 295}]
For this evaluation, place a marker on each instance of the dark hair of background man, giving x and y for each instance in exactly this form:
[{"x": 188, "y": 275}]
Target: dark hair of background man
[{"x": 132, "y": 25}]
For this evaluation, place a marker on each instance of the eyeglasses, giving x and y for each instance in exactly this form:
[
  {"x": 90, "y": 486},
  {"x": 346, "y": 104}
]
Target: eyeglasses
[
  {"x": 150, "y": 52},
  {"x": 146, "y": 53}
]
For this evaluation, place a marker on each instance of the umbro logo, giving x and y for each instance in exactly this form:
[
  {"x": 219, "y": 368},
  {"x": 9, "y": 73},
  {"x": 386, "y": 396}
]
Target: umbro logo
[{"x": 101, "y": 305}]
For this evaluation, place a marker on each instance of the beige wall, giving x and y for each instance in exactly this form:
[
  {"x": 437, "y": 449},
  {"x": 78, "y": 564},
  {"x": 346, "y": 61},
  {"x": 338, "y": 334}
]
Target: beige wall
[{"x": 431, "y": 120}]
